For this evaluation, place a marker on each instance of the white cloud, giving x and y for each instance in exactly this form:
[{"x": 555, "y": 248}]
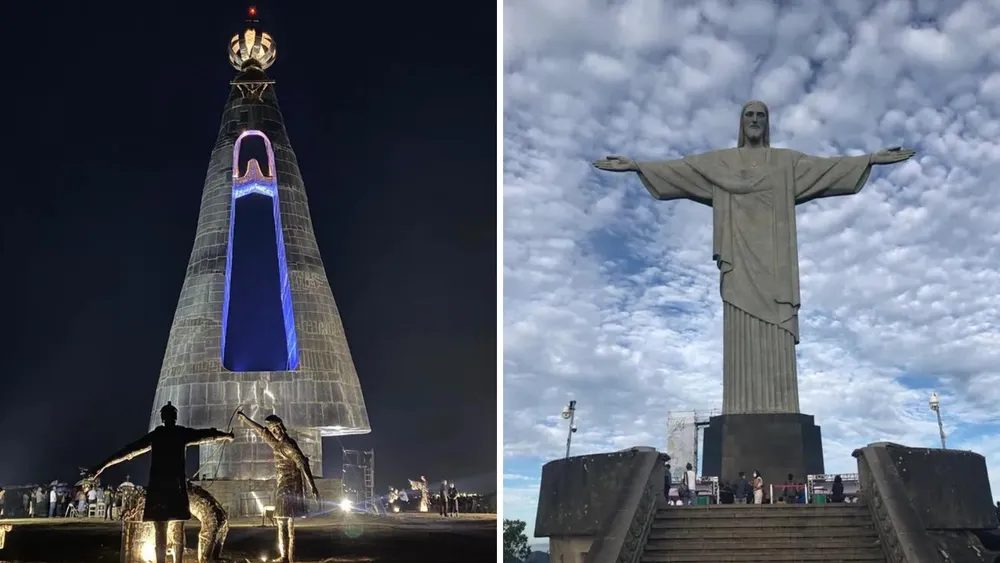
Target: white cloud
[{"x": 611, "y": 297}]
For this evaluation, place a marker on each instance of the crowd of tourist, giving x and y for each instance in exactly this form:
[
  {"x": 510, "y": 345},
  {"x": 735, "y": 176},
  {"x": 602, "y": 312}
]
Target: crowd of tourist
[
  {"x": 448, "y": 501},
  {"x": 87, "y": 499},
  {"x": 746, "y": 490}
]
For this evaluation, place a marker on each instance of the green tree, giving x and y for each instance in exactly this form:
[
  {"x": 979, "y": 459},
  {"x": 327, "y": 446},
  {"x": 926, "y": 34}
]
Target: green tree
[{"x": 515, "y": 542}]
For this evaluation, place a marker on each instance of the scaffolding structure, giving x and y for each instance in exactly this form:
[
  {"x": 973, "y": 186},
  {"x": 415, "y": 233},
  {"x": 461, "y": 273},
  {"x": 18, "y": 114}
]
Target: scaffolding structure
[
  {"x": 359, "y": 477},
  {"x": 683, "y": 438}
]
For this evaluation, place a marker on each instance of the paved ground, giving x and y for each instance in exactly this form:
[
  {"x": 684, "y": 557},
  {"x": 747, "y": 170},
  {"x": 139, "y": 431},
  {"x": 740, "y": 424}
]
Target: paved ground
[{"x": 355, "y": 538}]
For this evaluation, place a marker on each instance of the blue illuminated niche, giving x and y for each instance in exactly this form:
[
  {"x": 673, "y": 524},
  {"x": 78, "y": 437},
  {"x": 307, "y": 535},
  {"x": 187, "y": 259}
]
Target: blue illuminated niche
[{"x": 258, "y": 324}]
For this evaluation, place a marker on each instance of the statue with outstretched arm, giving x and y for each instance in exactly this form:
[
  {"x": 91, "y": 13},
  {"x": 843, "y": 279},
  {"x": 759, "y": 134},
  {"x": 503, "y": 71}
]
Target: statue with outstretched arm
[
  {"x": 292, "y": 473},
  {"x": 753, "y": 190},
  {"x": 167, "y": 491},
  {"x": 206, "y": 509}
]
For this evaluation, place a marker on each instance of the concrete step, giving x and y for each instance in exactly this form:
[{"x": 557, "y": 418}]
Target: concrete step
[
  {"x": 859, "y": 520},
  {"x": 865, "y": 532},
  {"x": 841, "y": 555},
  {"x": 761, "y": 544}
]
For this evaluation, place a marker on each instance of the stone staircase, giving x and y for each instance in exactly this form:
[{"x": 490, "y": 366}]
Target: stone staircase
[{"x": 763, "y": 533}]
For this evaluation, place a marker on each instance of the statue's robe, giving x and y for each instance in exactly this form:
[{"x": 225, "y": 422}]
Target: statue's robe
[{"x": 753, "y": 193}]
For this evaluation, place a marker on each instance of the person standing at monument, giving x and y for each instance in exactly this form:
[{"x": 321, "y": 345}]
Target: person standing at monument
[
  {"x": 38, "y": 507},
  {"x": 453, "y": 499},
  {"x": 444, "y": 498},
  {"x": 167, "y": 494},
  {"x": 691, "y": 484},
  {"x": 742, "y": 489},
  {"x": 788, "y": 491},
  {"x": 293, "y": 472},
  {"x": 838, "y": 490},
  {"x": 667, "y": 482},
  {"x": 758, "y": 488},
  {"x": 91, "y": 497},
  {"x": 53, "y": 501}
]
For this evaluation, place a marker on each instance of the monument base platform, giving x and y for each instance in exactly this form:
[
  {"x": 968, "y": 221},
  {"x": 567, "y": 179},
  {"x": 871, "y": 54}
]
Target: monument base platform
[
  {"x": 247, "y": 498},
  {"x": 774, "y": 444}
]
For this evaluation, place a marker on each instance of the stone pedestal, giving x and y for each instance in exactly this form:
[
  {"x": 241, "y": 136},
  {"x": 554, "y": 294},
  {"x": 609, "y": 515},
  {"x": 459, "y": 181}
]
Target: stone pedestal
[{"x": 774, "y": 444}]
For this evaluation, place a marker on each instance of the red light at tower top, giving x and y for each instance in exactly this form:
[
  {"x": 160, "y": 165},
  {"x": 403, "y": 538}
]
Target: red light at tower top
[{"x": 252, "y": 11}]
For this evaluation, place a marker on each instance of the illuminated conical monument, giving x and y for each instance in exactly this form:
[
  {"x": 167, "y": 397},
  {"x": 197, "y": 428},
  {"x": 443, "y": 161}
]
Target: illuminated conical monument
[{"x": 256, "y": 323}]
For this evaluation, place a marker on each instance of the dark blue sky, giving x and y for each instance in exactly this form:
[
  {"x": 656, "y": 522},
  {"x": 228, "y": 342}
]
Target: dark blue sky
[{"x": 112, "y": 109}]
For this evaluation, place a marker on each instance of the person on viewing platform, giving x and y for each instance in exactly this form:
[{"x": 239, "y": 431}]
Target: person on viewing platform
[
  {"x": 92, "y": 497},
  {"x": 742, "y": 489},
  {"x": 788, "y": 492},
  {"x": 838, "y": 490},
  {"x": 444, "y": 498},
  {"x": 667, "y": 482},
  {"x": 37, "y": 507},
  {"x": 453, "y": 499},
  {"x": 81, "y": 503},
  {"x": 758, "y": 487},
  {"x": 691, "y": 484}
]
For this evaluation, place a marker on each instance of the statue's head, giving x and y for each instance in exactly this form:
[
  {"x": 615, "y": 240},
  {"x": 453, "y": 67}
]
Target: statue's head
[
  {"x": 276, "y": 426},
  {"x": 755, "y": 128},
  {"x": 168, "y": 414}
]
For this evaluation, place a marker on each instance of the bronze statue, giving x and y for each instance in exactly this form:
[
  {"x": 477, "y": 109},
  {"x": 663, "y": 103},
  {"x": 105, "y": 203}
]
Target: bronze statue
[
  {"x": 425, "y": 495},
  {"x": 167, "y": 492},
  {"x": 292, "y": 471},
  {"x": 207, "y": 510}
]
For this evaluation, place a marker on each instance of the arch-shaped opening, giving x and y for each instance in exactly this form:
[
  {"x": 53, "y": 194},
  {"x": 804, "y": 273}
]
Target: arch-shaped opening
[
  {"x": 253, "y": 147},
  {"x": 258, "y": 325}
]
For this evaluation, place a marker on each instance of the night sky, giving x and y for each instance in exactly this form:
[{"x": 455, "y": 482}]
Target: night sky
[{"x": 111, "y": 111}]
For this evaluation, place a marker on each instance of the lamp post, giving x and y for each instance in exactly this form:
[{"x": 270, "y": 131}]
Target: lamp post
[
  {"x": 568, "y": 413},
  {"x": 935, "y": 405}
]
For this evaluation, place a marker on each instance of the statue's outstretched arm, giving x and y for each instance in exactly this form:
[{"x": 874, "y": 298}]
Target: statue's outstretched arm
[
  {"x": 208, "y": 436},
  {"x": 892, "y": 155},
  {"x": 135, "y": 449},
  {"x": 262, "y": 432}
]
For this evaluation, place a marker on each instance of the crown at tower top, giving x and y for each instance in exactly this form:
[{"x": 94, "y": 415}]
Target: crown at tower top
[{"x": 252, "y": 47}]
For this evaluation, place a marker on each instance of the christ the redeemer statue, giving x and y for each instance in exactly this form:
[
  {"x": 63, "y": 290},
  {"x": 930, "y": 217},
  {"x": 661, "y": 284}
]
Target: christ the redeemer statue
[{"x": 753, "y": 190}]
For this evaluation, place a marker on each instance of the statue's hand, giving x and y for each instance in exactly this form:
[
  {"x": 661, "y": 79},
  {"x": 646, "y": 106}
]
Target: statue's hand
[
  {"x": 892, "y": 155},
  {"x": 616, "y": 164}
]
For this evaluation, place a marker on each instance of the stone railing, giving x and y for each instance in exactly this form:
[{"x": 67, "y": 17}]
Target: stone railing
[
  {"x": 900, "y": 529},
  {"x": 623, "y": 537}
]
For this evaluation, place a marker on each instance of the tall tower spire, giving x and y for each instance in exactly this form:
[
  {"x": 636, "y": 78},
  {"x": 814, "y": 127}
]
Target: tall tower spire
[{"x": 256, "y": 323}]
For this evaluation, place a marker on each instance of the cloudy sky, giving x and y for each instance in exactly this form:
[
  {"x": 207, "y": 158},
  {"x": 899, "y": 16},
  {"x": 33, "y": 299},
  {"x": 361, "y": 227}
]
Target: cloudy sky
[{"x": 611, "y": 298}]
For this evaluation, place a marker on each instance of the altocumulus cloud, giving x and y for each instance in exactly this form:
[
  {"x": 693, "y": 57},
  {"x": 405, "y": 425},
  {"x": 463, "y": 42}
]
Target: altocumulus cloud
[{"x": 611, "y": 297}]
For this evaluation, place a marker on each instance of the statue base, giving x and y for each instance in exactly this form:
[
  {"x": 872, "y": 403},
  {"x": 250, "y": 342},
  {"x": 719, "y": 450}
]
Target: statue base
[{"x": 774, "y": 444}]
